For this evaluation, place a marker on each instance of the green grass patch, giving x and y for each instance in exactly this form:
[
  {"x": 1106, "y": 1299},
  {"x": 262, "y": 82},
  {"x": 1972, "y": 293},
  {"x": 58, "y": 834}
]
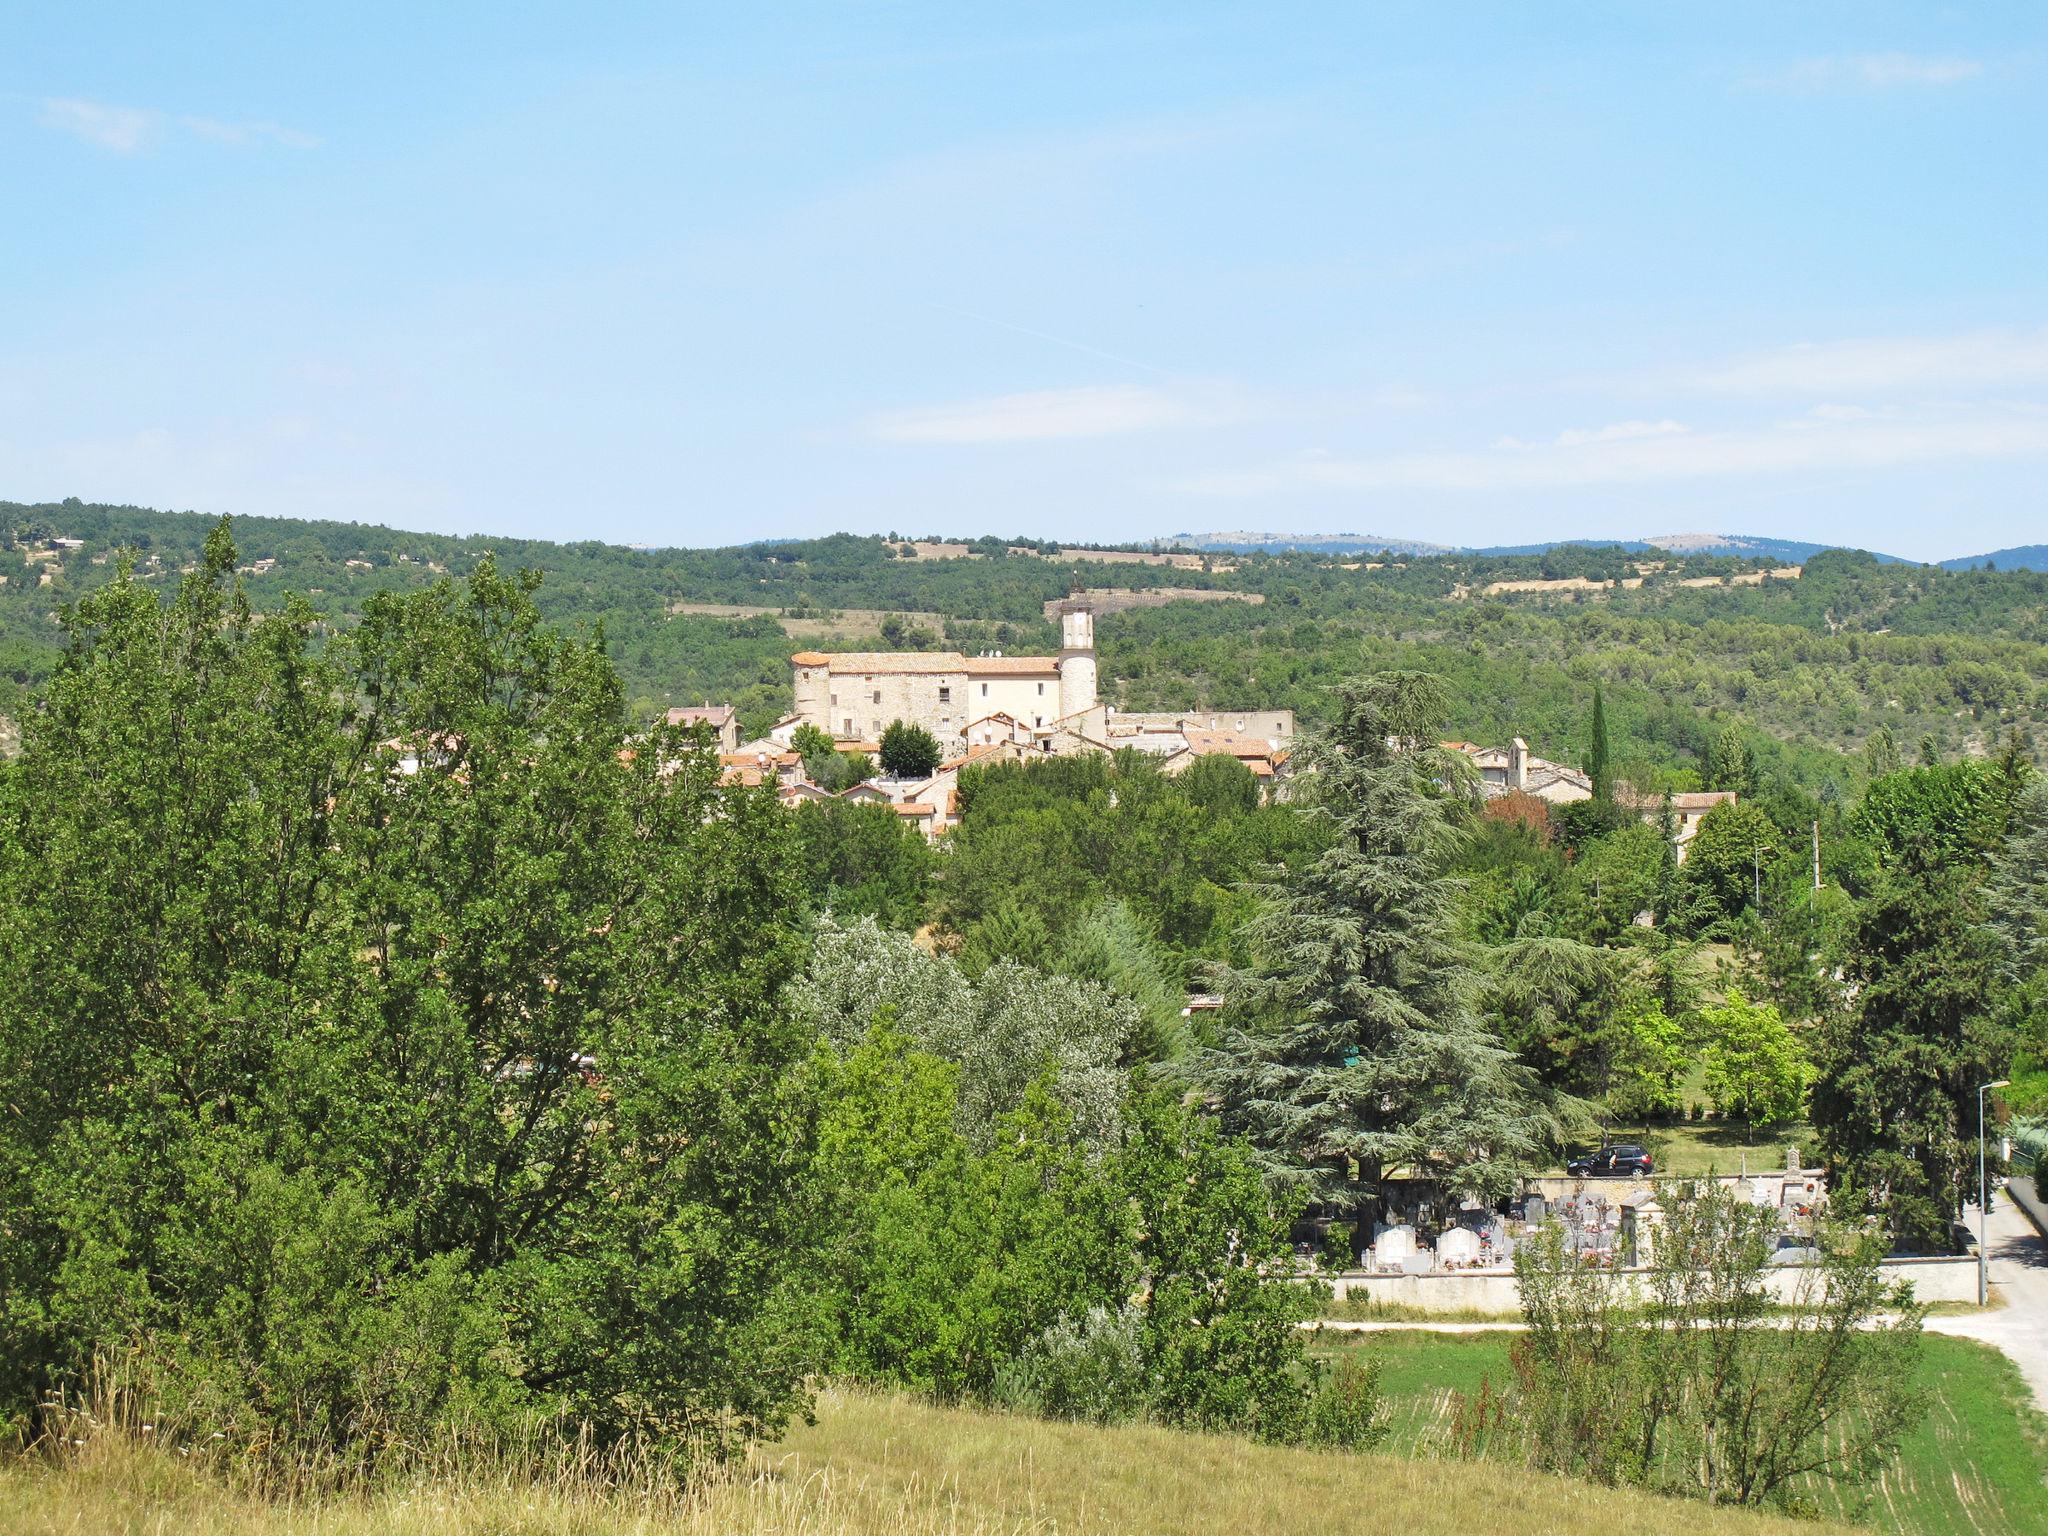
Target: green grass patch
[{"x": 1978, "y": 1465}]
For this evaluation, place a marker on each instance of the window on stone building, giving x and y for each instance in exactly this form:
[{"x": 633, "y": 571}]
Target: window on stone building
[
  {"x": 1041, "y": 690},
  {"x": 945, "y": 695},
  {"x": 984, "y": 690},
  {"x": 878, "y": 695}
]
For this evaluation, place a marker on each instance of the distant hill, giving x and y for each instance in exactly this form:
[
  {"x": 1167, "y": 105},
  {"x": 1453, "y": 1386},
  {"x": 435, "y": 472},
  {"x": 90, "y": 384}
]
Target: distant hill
[
  {"x": 1243, "y": 543},
  {"x": 1754, "y": 546},
  {"x": 2021, "y": 557}
]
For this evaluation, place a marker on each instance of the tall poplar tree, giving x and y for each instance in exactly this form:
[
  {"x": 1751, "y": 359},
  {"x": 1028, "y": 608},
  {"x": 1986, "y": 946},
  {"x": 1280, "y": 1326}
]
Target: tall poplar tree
[{"x": 1354, "y": 1050}]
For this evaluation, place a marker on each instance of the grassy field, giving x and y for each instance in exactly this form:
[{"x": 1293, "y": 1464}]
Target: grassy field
[
  {"x": 874, "y": 1465},
  {"x": 1975, "y": 1468},
  {"x": 1716, "y": 1146}
]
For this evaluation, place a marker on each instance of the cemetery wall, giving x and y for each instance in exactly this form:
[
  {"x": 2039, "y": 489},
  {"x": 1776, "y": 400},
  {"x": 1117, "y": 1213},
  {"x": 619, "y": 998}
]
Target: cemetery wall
[{"x": 1495, "y": 1291}]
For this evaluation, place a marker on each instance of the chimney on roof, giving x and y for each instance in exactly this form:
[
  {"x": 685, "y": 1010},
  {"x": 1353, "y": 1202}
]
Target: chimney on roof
[{"x": 1518, "y": 764}]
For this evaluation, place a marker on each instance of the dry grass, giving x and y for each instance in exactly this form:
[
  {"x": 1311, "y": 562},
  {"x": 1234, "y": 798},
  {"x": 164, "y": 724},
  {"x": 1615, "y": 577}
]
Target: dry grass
[
  {"x": 846, "y": 621},
  {"x": 873, "y": 1465}
]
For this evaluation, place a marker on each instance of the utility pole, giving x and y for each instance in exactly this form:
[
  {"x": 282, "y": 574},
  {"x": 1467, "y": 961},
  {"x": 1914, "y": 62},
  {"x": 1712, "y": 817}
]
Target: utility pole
[
  {"x": 1983, "y": 1197},
  {"x": 1816, "y": 853}
]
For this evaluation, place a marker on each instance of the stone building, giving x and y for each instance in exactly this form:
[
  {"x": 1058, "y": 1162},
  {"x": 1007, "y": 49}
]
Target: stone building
[
  {"x": 722, "y": 719},
  {"x": 1515, "y": 770},
  {"x": 856, "y": 695}
]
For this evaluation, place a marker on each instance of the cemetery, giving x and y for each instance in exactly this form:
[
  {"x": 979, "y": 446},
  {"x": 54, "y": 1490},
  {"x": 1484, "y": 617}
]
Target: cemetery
[{"x": 1433, "y": 1254}]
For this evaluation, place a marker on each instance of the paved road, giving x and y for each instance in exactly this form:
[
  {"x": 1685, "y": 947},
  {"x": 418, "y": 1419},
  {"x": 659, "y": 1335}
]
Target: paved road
[{"x": 2019, "y": 1279}]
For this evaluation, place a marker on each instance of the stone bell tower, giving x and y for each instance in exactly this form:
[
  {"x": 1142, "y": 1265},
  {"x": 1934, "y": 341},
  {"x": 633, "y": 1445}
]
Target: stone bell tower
[{"x": 1077, "y": 659}]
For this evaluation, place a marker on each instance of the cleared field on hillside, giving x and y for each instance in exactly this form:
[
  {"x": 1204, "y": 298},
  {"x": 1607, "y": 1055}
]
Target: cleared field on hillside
[
  {"x": 876, "y": 1465},
  {"x": 849, "y": 621}
]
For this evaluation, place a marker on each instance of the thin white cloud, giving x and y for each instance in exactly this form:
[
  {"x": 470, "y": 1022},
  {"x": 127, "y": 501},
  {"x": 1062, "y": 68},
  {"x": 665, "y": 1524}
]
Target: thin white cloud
[
  {"x": 1974, "y": 360},
  {"x": 125, "y": 130},
  {"x": 1832, "y": 442},
  {"x": 1090, "y": 411},
  {"x": 1870, "y": 72},
  {"x": 1617, "y": 432},
  {"x": 249, "y": 133}
]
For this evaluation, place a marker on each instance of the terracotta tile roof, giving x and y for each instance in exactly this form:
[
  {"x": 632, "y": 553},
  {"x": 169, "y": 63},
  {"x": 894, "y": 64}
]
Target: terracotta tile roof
[
  {"x": 983, "y": 749},
  {"x": 1230, "y": 743},
  {"x": 842, "y": 662},
  {"x": 1688, "y": 800},
  {"x": 876, "y": 662},
  {"x": 1010, "y": 666},
  {"x": 710, "y": 714},
  {"x": 1702, "y": 800},
  {"x": 911, "y": 808}
]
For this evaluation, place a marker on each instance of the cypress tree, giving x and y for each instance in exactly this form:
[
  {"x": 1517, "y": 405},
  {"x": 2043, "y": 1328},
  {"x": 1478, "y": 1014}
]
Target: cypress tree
[
  {"x": 1598, "y": 767},
  {"x": 1353, "y": 1049}
]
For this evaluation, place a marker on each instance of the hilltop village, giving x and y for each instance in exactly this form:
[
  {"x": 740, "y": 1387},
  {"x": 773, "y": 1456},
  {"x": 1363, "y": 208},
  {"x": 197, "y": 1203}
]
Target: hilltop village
[
  {"x": 980, "y": 709},
  {"x": 993, "y": 708}
]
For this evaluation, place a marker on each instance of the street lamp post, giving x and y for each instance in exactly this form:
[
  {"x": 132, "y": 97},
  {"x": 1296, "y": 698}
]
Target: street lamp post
[{"x": 1983, "y": 1202}]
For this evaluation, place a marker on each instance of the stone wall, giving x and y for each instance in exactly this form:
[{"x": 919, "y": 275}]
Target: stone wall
[
  {"x": 1494, "y": 1292},
  {"x": 938, "y": 701}
]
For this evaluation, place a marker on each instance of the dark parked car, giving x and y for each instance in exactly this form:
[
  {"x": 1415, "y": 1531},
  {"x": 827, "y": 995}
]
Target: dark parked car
[{"x": 1625, "y": 1161}]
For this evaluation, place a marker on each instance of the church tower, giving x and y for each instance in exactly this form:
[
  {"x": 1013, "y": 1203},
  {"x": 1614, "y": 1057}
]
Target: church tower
[{"x": 1077, "y": 659}]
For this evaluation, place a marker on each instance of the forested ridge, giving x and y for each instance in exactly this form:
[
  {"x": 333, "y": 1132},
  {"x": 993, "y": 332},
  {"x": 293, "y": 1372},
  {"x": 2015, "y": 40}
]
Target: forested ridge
[{"x": 1813, "y": 666}]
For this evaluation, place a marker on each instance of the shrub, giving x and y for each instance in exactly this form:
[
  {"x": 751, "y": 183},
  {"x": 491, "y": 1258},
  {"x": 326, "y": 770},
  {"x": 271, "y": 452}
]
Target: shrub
[
  {"x": 1090, "y": 1368},
  {"x": 1686, "y": 1383},
  {"x": 1337, "y": 1250},
  {"x": 1349, "y": 1409}
]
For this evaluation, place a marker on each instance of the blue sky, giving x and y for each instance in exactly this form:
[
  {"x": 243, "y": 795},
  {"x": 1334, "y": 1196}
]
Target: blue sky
[{"x": 700, "y": 274}]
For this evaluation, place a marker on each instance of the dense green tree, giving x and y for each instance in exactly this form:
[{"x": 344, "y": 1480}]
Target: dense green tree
[
  {"x": 1894, "y": 1095},
  {"x": 1599, "y": 756},
  {"x": 1557, "y": 1003},
  {"x": 2018, "y": 904},
  {"x": 1109, "y": 945},
  {"x": 383, "y": 1043},
  {"x": 1007, "y": 1028},
  {"x": 1725, "y": 860},
  {"x": 909, "y": 751},
  {"x": 810, "y": 743},
  {"x": 1731, "y": 764},
  {"x": 1618, "y": 877},
  {"x": 861, "y": 859},
  {"x": 1756, "y": 1068},
  {"x": 1040, "y": 843},
  {"x": 976, "y": 1273},
  {"x": 1221, "y": 785},
  {"x": 1955, "y": 811},
  {"x": 1355, "y": 1048}
]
